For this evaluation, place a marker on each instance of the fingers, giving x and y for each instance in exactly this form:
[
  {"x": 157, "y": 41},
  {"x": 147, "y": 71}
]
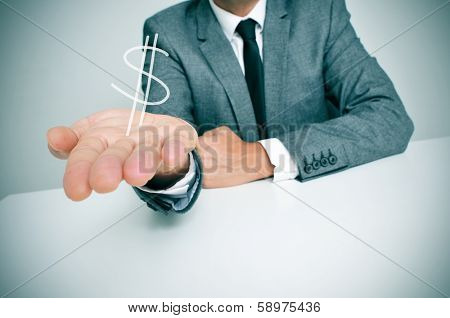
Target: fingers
[
  {"x": 174, "y": 153},
  {"x": 107, "y": 171},
  {"x": 95, "y": 165},
  {"x": 61, "y": 141},
  {"x": 210, "y": 133},
  {"x": 217, "y": 131},
  {"x": 142, "y": 164},
  {"x": 76, "y": 178}
]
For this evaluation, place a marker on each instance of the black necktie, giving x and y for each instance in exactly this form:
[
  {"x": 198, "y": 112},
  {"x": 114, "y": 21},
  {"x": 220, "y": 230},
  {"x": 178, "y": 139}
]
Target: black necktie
[{"x": 254, "y": 72}]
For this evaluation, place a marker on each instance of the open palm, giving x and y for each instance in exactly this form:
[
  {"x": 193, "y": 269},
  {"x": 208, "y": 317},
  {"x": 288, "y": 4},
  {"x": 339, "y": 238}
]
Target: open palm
[{"x": 100, "y": 156}]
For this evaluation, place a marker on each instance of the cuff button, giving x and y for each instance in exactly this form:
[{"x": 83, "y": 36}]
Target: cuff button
[
  {"x": 332, "y": 159},
  {"x": 316, "y": 164},
  {"x": 309, "y": 169}
]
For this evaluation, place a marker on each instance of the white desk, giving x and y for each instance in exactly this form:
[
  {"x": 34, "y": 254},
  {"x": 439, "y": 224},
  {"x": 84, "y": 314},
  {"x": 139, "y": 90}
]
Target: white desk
[{"x": 255, "y": 240}]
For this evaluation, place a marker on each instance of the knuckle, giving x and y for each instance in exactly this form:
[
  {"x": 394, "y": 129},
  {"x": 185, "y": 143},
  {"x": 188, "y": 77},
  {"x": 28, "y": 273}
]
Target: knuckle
[
  {"x": 208, "y": 133},
  {"x": 204, "y": 142},
  {"x": 224, "y": 129}
]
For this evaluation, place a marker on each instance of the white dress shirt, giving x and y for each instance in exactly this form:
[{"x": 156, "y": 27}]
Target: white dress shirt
[{"x": 285, "y": 167}]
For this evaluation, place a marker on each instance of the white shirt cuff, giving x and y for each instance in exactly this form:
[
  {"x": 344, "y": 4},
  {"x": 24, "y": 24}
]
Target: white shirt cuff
[
  {"x": 182, "y": 186},
  {"x": 285, "y": 167}
]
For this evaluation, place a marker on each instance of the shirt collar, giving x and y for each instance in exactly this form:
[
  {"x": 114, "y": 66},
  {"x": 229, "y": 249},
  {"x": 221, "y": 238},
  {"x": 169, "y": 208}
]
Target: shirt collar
[{"x": 229, "y": 21}]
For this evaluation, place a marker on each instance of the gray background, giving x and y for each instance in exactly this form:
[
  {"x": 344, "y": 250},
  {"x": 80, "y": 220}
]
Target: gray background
[{"x": 43, "y": 83}]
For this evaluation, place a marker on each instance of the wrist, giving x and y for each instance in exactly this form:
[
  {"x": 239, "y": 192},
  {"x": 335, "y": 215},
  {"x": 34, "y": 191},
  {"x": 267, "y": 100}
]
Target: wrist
[
  {"x": 260, "y": 162},
  {"x": 167, "y": 177}
]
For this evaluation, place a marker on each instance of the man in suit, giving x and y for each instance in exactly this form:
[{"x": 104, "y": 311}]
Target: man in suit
[{"x": 278, "y": 89}]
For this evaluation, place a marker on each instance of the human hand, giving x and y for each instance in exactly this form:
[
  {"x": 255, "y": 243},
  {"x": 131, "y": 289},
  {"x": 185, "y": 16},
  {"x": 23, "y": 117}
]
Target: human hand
[
  {"x": 100, "y": 156},
  {"x": 228, "y": 160}
]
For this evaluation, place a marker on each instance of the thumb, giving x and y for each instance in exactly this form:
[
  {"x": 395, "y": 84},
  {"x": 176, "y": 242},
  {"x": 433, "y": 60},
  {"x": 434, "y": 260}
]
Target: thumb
[{"x": 61, "y": 140}]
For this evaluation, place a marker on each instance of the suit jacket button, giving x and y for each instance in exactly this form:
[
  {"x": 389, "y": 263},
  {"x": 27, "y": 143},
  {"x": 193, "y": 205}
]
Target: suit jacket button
[
  {"x": 323, "y": 160},
  {"x": 316, "y": 164},
  {"x": 308, "y": 169},
  {"x": 332, "y": 160}
]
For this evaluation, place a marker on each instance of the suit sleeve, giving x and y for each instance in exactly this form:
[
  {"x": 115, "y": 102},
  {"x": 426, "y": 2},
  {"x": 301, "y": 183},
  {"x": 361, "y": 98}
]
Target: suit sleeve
[
  {"x": 169, "y": 71},
  {"x": 373, "y": 122}
]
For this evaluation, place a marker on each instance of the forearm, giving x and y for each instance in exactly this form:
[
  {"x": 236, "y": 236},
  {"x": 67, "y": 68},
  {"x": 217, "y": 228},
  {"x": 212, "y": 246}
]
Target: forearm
[{"x": 373, "y": 131}]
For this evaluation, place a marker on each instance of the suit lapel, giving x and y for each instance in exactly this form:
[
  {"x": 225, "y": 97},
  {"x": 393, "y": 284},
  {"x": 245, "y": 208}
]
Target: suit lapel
[
  {"x": 275, "y": 37},
  {"x": 220, "y": 56}
]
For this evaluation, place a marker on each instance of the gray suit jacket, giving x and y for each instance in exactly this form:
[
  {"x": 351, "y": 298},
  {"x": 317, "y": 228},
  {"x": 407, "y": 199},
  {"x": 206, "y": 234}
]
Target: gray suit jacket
[{"x": 327, "y": 100}]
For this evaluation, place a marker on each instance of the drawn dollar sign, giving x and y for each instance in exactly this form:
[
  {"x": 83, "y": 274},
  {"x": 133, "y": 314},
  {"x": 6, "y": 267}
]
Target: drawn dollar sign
[{"x": 150, "y": 77}]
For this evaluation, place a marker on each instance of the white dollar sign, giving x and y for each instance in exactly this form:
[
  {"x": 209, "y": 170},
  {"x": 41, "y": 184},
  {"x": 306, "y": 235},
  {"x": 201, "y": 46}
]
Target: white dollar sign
[{"x": 150, "y": 77}]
